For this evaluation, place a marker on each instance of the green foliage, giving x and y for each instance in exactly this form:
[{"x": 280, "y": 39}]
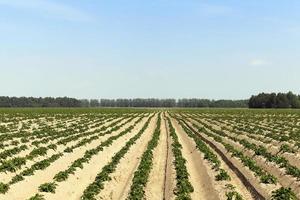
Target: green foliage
[
  {"x": 223, "y": 176},
  {"x": 183, "y": 185},
  {"x": 141, "y": 175},
  {"x": 3, "y": 188},
  {"x": 12, "y": 165},
  {"x": 94, "y": 188},
  {"x": 10, "y": 152},
  {"x": 286, "y": 148},
  {"x": 16, "y": 179},
  {"x": 283, "y": 194},
  {"x": 233, "y": 195},
  {"x": 61, "y": 176},
  {"x": 37, "y": 197},
  {"x": 280, "y": 100},
  {"x": 48, "y": 187},
  {"x": 41, "y": 151},
  {"x": 52, "y": 146},
  {"x": 201, "y": 146},
  {"x": 268, "y": 179},
  {"x": 247, "y": 161},
  {"x": 39, "y": 102}
]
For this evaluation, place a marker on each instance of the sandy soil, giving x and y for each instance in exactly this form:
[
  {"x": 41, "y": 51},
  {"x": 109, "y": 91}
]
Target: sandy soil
[
  {"x": 265, "y": 190},
  {"x": 170, "y": 172},
  {"x": 46, "y": 175},
  {"x": 162, "y": 179},
  {"x": 71, "y": 187},
  {"x": 200, "y": 175},
  {"x": 283, "y": 179},
  {"x": 294, "y": 159},
  {"x": 156, "y": 183},
  {"x": 119, "y": 186},
  {"x": 9, "y": 141},
  {"x": 239, "y": 186},
  {"x": 6, "y": 177},
  {"x": 31, "y": 147}
]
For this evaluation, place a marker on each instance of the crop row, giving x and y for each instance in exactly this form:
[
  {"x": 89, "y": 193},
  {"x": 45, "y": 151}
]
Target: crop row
[
  {"x": 16, "y": 163},
  {"x": 63, "y": 175},
  {"x": 141, "y": 175},
  {"x": 265, "y": 177},
  {"x": 95, "y": 187},
  {"x": 262, "y": 151},
  {"x": 183, "y": 186},
  {"x": 214, "y": 160},
  {"x": 45, "y": 135},
  {"x": 44, "y": 163}
]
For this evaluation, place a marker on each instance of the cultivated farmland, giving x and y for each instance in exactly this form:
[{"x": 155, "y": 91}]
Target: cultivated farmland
[{"x": 149, "y": 154}]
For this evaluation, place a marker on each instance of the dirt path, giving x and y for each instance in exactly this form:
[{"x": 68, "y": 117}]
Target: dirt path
[
  {"x": 200, "y": 176},
  {"x": 169, "y": 170},
  {"x": 46, "y": 175},
  {"x": 263, "y": 189},
  {"x": 119, "y": 186},
  {"x": 156, "y": 183}
]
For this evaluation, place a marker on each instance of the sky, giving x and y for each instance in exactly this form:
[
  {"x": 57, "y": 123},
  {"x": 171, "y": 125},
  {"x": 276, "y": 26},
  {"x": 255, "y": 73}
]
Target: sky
[{"x": 216, "y": 49}]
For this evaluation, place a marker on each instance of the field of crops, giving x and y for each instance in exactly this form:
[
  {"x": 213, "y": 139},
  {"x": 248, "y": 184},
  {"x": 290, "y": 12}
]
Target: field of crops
[{"x": 149, "y": 154}]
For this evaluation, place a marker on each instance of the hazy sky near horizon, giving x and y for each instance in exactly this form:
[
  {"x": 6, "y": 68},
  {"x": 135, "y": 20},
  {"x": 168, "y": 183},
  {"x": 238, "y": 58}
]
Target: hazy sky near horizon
[{"x": 159, "y": 48}]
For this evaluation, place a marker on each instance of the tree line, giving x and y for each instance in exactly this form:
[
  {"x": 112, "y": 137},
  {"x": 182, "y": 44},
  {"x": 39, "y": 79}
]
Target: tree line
[
  {"x": 138, "y": 102},
  {"x": 273, "y": 100},
  {"x": 167, "y": 103},
  {"x": 262, "y": 100},
  {"x": 39, "y": 102}
]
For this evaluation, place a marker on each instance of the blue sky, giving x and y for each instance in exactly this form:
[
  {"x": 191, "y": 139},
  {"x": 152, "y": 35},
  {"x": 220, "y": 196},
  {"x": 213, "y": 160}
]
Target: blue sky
[{"x": 158, "y": 48}]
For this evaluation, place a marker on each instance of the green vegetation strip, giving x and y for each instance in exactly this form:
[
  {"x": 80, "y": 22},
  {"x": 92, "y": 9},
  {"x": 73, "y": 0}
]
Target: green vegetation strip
[
  {"x": 201, "y": 146},
  {"x": 10, "y": 152},
  {"x": 94, "y": 188},
  {"x": 183, "y": 186},
  {"x": 142, "y": 173}
]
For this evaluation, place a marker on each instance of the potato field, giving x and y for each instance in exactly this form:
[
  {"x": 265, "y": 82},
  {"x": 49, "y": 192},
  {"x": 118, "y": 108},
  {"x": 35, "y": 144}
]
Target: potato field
[{"x": 153, "y": 154}]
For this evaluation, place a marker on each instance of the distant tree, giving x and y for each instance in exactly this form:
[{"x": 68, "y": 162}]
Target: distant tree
[
  {"x": 38, "y": 102},
  {"x": 196, "y": 103},
  {"x": 94, "y": 103},
  {"x": 280, "y": 100},
  {"x": 293, "y": 100},
  {"x": 5, "y": 102},
  {"x": 107, "y": 103},
  {"x": 229, "y": 103},
  {"x": 84, "y": 103},
  {"x": 271, "y": 103}
]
